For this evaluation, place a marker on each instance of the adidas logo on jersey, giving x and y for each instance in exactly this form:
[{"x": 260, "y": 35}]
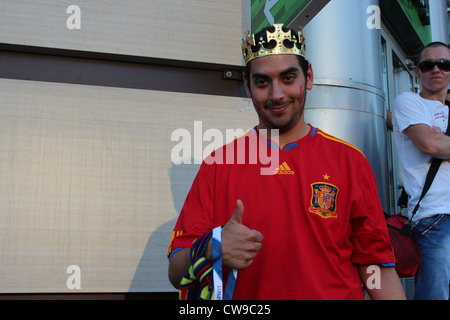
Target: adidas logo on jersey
[{"x": 283, "y": 170}]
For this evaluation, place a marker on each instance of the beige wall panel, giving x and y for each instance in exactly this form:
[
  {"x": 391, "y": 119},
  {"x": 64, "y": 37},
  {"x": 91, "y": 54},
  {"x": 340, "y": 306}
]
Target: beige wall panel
[
  {"x": 86, "y": 179},
  {"x": 194, "y": 30}
]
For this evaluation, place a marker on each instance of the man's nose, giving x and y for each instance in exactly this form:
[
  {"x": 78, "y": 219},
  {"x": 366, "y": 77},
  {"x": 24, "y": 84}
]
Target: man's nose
[
  {"x": 435, "y": 69},
  {"x": 277, "y": 92}
]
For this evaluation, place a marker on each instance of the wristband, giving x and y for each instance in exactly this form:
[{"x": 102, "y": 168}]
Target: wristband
[{"x": 217, "y": 269}]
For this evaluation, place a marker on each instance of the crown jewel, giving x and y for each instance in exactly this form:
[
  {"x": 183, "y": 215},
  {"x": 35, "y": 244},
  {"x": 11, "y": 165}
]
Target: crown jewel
[
  {"x": 325, "y": 189},
  {"x": 277, "y": 42}
]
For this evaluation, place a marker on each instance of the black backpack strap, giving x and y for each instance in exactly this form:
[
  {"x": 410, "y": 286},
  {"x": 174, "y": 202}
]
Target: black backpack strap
[{"x": 435, "y": 164}]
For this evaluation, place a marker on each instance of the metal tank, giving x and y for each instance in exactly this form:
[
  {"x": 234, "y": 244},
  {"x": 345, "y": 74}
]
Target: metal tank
[
  {"x": 347, "y": 100},
  {"x": 439, "y": 20}
]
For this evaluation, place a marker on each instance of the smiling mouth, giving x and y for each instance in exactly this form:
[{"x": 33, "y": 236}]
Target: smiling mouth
[{"x": 279, "y": 109}]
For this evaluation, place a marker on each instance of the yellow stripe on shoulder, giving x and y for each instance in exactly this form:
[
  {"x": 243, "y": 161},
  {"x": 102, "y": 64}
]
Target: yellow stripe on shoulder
[
  {"x": 174, "y": 235},
  {"x": 330, "y": 137}
]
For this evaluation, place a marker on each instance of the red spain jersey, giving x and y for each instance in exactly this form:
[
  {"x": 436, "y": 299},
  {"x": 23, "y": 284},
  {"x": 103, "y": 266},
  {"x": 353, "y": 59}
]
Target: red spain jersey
[{"x": 318, "y": 211}]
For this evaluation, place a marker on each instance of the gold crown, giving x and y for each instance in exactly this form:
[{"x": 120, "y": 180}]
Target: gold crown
[
  {"x": 277, "y": 42},
  {"x": 325, "y": 189}
]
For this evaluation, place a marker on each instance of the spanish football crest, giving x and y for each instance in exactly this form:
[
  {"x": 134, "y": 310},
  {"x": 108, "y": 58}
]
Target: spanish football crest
[{"x": 323, "y": 200}]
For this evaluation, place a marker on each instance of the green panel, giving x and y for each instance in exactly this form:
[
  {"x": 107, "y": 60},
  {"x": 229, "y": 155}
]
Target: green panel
[
  {"x": 283, "y": 11},
  {"x": 414, "y": 11}
]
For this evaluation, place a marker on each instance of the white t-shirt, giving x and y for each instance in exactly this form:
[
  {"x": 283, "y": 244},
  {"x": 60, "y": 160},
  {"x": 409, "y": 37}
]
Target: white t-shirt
[{"x": 410, "y": 109}]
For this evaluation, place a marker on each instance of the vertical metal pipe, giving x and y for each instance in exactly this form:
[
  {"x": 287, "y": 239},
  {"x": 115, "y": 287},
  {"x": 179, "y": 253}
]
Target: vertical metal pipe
[
  {"x": 439, "y": 21},
  {"x": 347, "y": 99}
]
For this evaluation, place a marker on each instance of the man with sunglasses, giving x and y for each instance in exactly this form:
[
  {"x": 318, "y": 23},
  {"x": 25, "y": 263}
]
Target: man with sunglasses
[{"x": 420, "y": 121}]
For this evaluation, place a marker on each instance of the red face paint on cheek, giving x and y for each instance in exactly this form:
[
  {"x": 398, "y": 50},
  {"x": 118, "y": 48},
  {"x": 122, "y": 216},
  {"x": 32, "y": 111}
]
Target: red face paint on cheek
[{"x": 300, "y": 97}]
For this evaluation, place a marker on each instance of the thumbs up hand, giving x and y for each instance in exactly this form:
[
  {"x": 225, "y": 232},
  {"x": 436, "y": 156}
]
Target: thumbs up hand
[
  {"x": 240, "y": 244},
  {"x": 238, "y": 213}
]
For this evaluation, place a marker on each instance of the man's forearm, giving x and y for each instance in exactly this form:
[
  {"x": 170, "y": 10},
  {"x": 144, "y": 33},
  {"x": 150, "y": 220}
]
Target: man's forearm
[
  {"x": 429, "y": 140},
  {"x": 381, "y": 283},
  {"x": 443, "y": 147}
]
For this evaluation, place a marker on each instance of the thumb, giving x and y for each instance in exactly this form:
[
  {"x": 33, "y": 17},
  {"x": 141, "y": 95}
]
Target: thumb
[{"x": 238, "y": 212}]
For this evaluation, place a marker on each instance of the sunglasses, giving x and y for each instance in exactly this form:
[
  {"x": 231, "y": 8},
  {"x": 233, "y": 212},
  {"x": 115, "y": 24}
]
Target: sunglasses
[{"x": 428, "y": 65}]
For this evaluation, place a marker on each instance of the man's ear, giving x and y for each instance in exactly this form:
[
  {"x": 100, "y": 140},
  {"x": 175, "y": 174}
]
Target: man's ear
[
  {"x": 309, "y": 77},
  {"x": 416, "y": 70}
]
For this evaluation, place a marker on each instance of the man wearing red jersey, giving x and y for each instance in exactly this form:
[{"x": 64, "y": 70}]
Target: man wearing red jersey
[{"x": 309, "y": 230}]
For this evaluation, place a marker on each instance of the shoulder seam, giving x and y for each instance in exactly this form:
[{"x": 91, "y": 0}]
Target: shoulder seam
[{"x": 330, "y": 137}]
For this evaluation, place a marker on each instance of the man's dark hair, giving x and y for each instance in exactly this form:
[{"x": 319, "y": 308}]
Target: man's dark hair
[
  {"x": 304, "y": 64},
  {"x": 434, "y": 44}
]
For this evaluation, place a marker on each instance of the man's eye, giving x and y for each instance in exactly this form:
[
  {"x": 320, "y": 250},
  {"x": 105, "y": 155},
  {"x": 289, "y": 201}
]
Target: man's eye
[
  {"x": 260, "y": 82},
  {"x": 289, "y": 78}
]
